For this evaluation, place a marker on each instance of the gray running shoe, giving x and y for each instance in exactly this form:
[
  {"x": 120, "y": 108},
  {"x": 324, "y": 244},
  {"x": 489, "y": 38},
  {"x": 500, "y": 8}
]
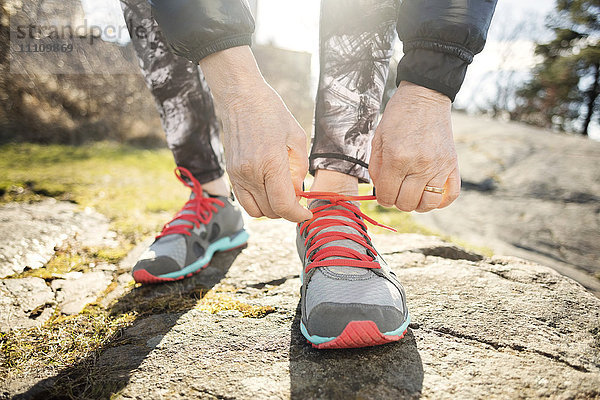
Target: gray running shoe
[
  {"x": 205, "y": 225},
  {"x": 350, "y": 298}
]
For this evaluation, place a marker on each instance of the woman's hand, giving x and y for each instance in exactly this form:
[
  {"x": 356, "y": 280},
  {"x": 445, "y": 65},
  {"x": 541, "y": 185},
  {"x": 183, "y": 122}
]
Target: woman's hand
[
  {"x": 265, "y": 151},
  {"x": 413, "y": 147},
  {"x": 265, "y": 147}
]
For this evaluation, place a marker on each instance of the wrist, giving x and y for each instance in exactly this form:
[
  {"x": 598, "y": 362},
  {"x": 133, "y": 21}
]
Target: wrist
[
  {"x": 420, "y": 96},
  {"x": 232, "y": 74},
  {"x": 421, "y": 92}
]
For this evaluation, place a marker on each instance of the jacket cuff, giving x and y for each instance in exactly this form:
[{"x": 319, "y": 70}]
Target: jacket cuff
[
  {"x": 198, "y": 53},
  {"x": 436, "y": 70}
]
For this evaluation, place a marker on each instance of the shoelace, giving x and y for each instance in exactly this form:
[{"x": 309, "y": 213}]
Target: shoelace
[
  {"x": 317, "y": 238},
  {"x": 202, "y": 207}
]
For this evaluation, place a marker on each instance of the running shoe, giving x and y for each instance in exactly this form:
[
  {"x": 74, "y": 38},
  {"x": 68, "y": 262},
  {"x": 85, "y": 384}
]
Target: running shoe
[
  {"x": 205, "y": 225},
  {"x": 350, "y": 298}
]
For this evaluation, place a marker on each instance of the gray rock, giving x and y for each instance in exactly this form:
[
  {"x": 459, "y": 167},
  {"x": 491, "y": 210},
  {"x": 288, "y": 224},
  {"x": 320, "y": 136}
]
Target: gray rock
[
  {"x": 79, "y": 289},
  {"x": 125, "y": 280},
  {"x": 499, "y": 327},
  {"x": 24, "y": 303},
  {"x": 123, "y": 284},
  {"x": 527, "y": 192},
  {"x": 30, "y": 232}
]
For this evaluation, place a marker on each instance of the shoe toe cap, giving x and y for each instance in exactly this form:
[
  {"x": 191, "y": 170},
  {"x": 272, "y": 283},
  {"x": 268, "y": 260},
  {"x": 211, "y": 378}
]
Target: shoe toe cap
[
  {"x": 330, "y": 319},
  {"x": 157, "y": 266}
]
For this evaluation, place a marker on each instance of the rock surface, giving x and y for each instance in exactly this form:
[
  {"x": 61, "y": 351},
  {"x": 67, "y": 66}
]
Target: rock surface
[
  {"x": 527, "y": 192},
  {"x": 482, "y": 328},
  {"x": 25, "y": 303},
  {"x": 30, "y": 232},
  {"x": 30, "y": 235},
  {"x": 78, "y": 290}
]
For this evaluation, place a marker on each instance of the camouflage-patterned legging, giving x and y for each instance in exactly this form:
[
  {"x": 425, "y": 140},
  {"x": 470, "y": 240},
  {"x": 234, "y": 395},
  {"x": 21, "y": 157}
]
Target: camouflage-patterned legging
[{"x": 356, "y": 40}]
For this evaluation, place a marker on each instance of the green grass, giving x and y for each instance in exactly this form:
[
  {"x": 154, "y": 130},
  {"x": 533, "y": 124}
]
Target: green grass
[{"x": 135, "y": 188}]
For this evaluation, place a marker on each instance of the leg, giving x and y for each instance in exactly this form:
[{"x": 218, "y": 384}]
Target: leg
[
  {"x": 349, "y": 297},
  {"x": 205, "y": 224},
  {"x": 182, "y": 97},
  {"x": 356, "y": 40}
]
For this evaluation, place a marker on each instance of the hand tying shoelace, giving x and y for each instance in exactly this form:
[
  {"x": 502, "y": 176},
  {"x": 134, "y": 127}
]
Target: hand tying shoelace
[
  {"x": 317, "y": 238},
  {"x": 198, "y": 209}
]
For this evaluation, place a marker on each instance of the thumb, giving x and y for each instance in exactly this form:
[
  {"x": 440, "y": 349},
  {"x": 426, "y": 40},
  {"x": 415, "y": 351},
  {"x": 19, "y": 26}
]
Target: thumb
[
  {"x": 298, "y": 160},
  {"x": 375, "y": 159},
  {"x": 283, "y": 199}
]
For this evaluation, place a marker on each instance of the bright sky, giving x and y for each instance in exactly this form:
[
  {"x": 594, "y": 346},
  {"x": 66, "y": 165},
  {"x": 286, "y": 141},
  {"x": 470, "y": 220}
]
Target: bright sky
[{"x": 294, "y": 25}]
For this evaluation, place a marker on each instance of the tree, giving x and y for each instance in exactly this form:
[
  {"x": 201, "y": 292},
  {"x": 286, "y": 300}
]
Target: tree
[
  {"x": 566, "y": 83},
  {"x": 507, "y": 30}
]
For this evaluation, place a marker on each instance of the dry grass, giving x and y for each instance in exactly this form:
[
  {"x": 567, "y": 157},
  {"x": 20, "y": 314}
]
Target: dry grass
[
  {"x": 71, "y": 258},
  {"x": 64, "y": 341},
  {"x": 215, "y": 302}
]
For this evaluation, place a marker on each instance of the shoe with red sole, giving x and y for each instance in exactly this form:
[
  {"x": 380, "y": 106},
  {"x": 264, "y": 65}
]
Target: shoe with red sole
[
  {"x": 205, "y": 225},
  {"x": 350, "y": 298}
]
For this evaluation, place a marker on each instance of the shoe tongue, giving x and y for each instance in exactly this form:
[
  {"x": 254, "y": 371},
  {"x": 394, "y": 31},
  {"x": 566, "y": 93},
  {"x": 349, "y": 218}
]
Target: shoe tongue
[
  {"x": 343, "y": 270},
  {"x": 182, "y": 221}
]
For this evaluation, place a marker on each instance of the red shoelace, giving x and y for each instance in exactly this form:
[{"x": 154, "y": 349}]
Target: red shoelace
[
  {"x": 202, "y": 207},
  {"x": 319, "y": 222}
]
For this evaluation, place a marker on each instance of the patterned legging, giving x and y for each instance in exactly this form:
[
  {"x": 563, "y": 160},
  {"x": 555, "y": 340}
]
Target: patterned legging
[{"x": 356, "y": 39}]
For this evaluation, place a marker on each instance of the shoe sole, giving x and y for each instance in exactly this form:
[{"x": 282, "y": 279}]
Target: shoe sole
[
  {"x": 355, "y": 335},
  {"x": 227, "y": 243}
]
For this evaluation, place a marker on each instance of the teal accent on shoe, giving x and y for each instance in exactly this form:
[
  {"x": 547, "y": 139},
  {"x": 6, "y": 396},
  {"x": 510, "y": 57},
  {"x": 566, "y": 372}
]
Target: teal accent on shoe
[
  {"x": 314, "y": 339},
  {"x": 223, "y": 244},
  {"x": 400, "y": 330},
  {"x": 323, "y": 339}
]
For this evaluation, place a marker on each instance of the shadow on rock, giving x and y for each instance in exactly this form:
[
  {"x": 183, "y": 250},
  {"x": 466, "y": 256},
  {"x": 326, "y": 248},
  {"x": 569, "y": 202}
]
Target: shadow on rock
[
  {"x": 391, "y": 371},
  {"x": 158, "y": 309}
]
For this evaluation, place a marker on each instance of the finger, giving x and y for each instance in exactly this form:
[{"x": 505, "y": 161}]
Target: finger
[
  {"x": 375, "y": 158},
  {"x": 452, "y": 188},
  {"x": 431, "y": 200},
  {"x": 388, "y": 190},
  {"x": 262, "y": 199},
  {"x": 388, "y": 185},
  {"x": 282, "y": 197},
  {"x": 386, "y": 182},
  {"x": 247, "y": 201},
  {"x": 298, "y": 159},
  {"x": 410, "y": 192}
]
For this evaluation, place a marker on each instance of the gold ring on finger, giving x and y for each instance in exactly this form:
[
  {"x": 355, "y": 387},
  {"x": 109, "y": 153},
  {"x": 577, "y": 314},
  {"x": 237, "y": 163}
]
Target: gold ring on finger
[{"x": 433, "y": 189}]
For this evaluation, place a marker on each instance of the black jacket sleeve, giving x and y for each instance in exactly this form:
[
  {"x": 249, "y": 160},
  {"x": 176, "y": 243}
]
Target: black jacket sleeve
[
  {"x": 440, "y": 38},
  {"x": 198, "y": 28}
]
